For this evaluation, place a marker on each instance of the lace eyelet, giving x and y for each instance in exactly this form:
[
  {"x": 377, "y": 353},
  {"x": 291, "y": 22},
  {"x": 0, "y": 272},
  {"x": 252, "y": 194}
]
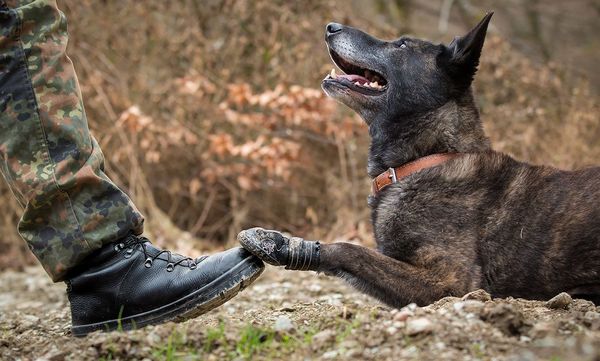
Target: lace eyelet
[
  {"x": 193, "y": 266},
  {"x": 148, "y": 263},
  {"x": 170, "y": 267},
  {"x": 128, "y": 252}
]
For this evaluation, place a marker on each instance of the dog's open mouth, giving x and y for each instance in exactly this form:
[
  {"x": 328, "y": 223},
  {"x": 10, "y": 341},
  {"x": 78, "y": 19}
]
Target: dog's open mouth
[{"x": 362, "y": 80}]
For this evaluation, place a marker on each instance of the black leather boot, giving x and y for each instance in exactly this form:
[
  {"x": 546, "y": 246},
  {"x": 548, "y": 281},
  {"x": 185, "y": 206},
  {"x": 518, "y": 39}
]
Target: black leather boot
[
  {"x": 274, "y": 248},
  {"x": 131, "y": 284}
]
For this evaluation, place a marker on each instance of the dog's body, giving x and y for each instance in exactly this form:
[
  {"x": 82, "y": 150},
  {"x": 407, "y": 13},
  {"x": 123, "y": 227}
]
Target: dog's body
[
  {"x": 481, "y": 220},
  {"x": 486, "y": 221}
]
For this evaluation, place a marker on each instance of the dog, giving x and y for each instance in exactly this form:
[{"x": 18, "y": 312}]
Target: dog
[{"x": 449, "y": 214}]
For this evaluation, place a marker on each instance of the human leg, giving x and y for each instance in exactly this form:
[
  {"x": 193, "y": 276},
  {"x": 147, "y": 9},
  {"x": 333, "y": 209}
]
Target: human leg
[{"x": 82, "y": 228}]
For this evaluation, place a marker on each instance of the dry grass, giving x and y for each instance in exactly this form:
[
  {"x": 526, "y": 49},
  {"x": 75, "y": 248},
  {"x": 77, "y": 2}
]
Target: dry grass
[{"x": 211, "y": 118}]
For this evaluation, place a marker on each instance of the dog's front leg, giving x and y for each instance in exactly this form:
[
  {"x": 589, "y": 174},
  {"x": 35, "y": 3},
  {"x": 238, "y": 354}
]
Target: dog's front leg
[{"x": 394, "y": 282}]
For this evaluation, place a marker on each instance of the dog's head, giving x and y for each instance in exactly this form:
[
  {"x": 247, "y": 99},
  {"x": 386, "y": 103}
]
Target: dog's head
[{"x": 393, "y": 79}]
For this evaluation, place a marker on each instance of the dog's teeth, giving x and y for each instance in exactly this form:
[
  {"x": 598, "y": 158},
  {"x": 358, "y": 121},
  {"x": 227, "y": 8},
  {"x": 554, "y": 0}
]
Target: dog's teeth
[
  {"x": 333, "y": 74},
  {"x": 356, "y": 83}
]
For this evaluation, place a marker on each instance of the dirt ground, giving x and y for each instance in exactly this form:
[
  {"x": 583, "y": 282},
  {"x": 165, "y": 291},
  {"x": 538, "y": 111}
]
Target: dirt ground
[{"x": 301, "y": 316}]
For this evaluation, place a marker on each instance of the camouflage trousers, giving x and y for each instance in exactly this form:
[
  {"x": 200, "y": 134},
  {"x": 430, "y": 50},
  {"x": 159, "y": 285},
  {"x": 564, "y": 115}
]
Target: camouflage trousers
[{"x": 51, "y": 163}]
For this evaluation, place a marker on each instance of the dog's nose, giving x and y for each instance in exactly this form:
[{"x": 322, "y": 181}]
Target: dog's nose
[{"x": 333, "y": 28}]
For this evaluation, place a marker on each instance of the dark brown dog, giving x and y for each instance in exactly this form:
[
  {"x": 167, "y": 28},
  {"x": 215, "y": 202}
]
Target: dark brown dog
[{"x": 467, "y": 219}]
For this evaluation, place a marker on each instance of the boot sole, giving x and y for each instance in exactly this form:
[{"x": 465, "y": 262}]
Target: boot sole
[{"x": 210, "y": 296}]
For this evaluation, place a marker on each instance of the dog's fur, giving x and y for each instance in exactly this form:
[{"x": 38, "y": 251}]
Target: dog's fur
[{"x": 483, "y": 220}]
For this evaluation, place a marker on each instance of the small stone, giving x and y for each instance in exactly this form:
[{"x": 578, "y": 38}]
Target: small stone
[
  {"x": 469, "y": 306},
  {"x": 419, "y": 325},
  {"x": 440, "y": 345},
  {"x": 458, "y": 306},
  {"x": 330, "y": 355},
  {"x": 524, "y": 339},
  {"x": 353, "y": 353},
  {"x": 31, "y": 318},
  {"x": 591, "y": 315},
  {"x": 542, "y": 329},
  {"x": 410, "y": 307},
  {"x": 315, "y": 288},
  {"x": 320, "y": 339},
  {"x": 560, "y": 301},
  {"x": 347, "y": 344},
  {"x": 478, "y": 295},
  {"x": 397, "y": 324},
  {"x": 410, "y": 351},
  {"x": 353, "y": 348},
  {"x": 374, "y": 340},
  {"x": 283, "y": 324},
  {"x": 152, "y": 338},
  {"x": 402, "y": 315}
]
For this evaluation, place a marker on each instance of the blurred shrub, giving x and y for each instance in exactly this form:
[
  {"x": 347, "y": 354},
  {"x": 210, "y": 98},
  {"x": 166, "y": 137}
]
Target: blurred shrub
[
  {"x": 537, "y": 112},
  {"x": 210, "y": 116}
]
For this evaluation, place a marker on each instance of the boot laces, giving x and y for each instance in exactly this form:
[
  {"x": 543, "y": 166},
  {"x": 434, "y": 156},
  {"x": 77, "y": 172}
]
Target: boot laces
[{"x": 132, "y": 241}]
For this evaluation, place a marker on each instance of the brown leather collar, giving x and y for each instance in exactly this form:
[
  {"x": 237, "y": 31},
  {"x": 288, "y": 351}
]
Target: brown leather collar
[{"x": 394, "y": 175}]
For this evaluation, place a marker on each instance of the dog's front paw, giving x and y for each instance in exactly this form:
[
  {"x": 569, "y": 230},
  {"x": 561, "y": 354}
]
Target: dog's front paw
[
  {"x": 276, "y": 249},
  {"x": 270, "y": 246}
]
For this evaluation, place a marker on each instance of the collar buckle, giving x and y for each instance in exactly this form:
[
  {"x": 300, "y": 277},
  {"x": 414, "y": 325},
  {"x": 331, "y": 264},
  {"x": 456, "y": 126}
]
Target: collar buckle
[{"x": 392, "y": 175}]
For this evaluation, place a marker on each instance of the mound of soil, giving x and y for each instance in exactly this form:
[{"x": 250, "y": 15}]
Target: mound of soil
[{"x": 299, "y": 316}]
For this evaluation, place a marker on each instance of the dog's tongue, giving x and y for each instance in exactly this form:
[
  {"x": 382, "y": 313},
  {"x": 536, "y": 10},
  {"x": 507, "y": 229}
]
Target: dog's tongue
[{"x": 354, "y": 78}]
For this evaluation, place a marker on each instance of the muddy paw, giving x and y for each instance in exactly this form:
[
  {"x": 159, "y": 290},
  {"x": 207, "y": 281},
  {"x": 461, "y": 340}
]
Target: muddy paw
[
  {"x": 276, "y": 249},
  {"x": 270, "y": 246}
]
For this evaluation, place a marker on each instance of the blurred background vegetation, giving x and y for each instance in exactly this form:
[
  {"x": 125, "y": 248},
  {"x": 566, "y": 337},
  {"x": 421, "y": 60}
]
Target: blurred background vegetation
[{"x": 211, "y": 117}]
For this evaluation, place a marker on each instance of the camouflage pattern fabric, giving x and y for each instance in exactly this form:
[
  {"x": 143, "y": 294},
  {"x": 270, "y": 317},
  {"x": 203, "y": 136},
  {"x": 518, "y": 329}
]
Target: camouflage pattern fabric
[{"x": 53, "y": 166}]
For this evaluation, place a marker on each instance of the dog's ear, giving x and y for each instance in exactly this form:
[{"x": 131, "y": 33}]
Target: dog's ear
[{"x": 463, "y": 52}]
